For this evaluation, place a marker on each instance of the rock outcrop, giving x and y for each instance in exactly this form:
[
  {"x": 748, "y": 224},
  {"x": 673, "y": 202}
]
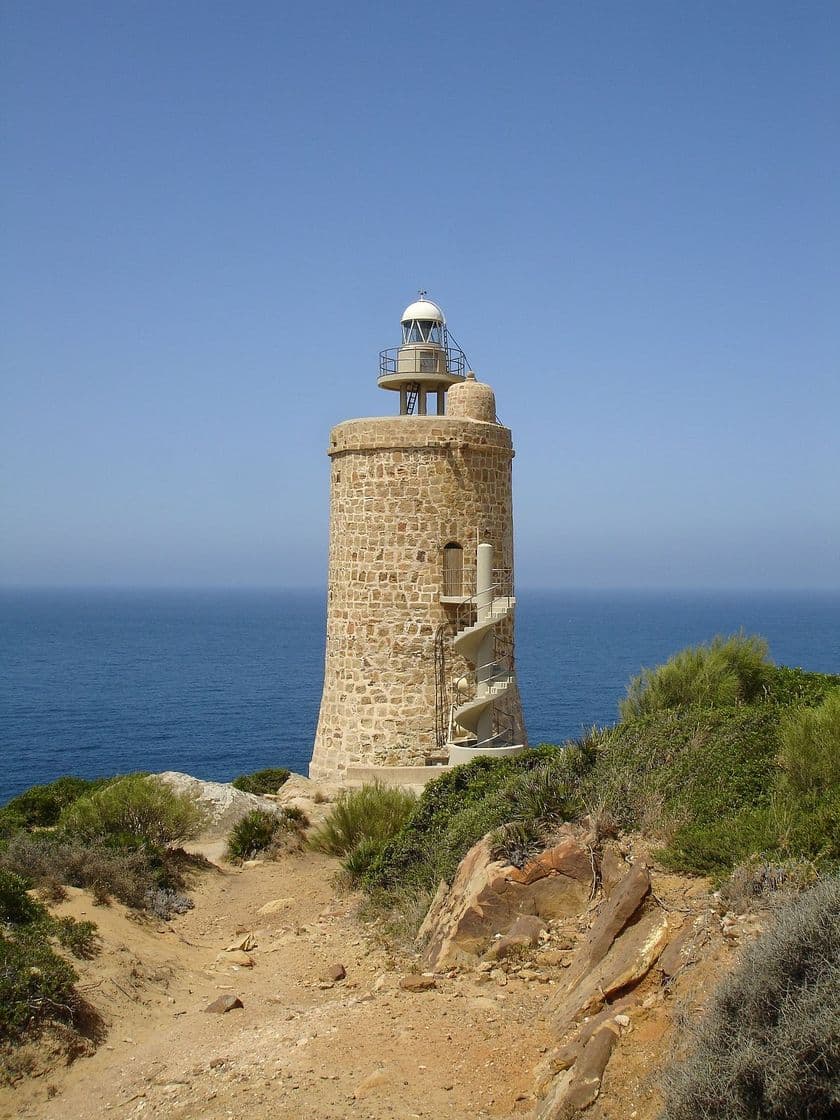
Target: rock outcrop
[
  {"x": 488, "y": 896},
  {"x": 223, "y": 805},
  {"x": 587, "y": 922}
]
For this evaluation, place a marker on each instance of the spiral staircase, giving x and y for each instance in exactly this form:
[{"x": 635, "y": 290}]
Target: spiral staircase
[{"x": 478, "y": 724}]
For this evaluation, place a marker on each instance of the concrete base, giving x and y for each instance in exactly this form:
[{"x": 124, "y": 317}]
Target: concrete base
[
  {"x": 416, "y": 777},
  {"x": 459, "y": 755},
  {"x": 412, "y": 777}
]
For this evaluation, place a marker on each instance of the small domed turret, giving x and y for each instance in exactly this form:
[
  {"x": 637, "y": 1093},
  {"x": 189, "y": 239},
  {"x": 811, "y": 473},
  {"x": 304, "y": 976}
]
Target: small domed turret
[
  {"x": 472, "y": 400},
  {"x": 425, "y": 362}
]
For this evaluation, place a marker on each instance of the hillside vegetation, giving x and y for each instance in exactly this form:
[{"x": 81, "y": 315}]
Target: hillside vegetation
[
  {"x": 769, "y": 1046},
  {"x": 721, "y": 757},
  {"x": 112, "y": 836}
]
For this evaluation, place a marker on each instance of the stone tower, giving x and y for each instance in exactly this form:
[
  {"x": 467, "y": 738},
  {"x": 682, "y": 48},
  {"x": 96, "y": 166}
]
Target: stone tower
[{"x": 419, "y": 666}]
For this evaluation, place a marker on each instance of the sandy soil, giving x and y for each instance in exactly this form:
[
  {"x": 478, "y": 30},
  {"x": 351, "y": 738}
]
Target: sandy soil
[{"x": 300, "y": 1046}]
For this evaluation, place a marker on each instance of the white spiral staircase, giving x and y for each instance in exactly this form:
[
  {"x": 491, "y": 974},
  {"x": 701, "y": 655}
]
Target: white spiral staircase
[{"x": 476, "y": 723}]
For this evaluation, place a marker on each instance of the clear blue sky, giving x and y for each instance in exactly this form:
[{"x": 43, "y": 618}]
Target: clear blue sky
[{"x": 214, "y": 214}]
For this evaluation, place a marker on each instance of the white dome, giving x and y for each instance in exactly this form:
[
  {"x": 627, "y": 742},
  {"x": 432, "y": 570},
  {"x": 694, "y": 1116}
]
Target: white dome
[{"x": 423, "y": 309}]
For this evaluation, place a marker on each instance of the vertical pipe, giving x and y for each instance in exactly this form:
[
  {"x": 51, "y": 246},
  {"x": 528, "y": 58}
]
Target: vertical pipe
[
  {"x": 484, "y": 656},
  {"x": 403, "y": 400},
  {"x": 484, "y": 580}
]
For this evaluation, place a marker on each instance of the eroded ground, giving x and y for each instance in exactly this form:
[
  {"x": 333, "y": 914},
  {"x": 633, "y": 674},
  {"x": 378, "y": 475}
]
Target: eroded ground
[{"x": 299, "y": 1047}]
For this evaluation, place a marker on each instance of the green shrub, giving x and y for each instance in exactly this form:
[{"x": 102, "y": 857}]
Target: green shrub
[
  {"x": 358, "y": 860},
  {"x": 255, "y": 833},
  {"x": 11, "y": 822},
  {"x": 810, "y": 747},
  {"x": 372, "y": 812},
  {"x": 135, "y": 811},
  {"x": 727, "y": 671},
  {"x": 262, "y": 781},
  {"x": 517, "y": 841},
  {"x": 295, "y": 814},
  {"x": 547, "y": 793},
  {"x": 360, "y": 823},
  {"x": 460, "y": 807},
  {"x": 808, "y": 801},
  {"x": 41, "y": 806},
  {"x": 809, "y": 827},
  {"x": 78, "y": 938},
  {"x": 787, "y": 687},
  {"x": 699, "y": 766},
  {"x": 17, "y": 907},
  {"x": 769, "y": 1046},
  {"x": 715, "y": 847},
  {"x": 36, "y": 984}
]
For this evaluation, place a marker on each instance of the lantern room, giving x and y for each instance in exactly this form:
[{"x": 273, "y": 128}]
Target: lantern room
[{"x": 426, "y": 363}]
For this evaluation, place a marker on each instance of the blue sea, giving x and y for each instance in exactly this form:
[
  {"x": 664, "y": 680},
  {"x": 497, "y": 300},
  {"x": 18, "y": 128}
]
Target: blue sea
[{"x": 219, "y": 682}]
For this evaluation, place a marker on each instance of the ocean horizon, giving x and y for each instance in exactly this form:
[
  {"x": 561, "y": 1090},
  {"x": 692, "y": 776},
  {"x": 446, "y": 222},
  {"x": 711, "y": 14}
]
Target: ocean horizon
[{"x": 217, "y": 681}]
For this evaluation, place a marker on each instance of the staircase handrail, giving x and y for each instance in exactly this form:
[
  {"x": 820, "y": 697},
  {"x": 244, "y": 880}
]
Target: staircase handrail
[
  {"x": 494, "y": 679},
  {"x": 469, "y": 601}
]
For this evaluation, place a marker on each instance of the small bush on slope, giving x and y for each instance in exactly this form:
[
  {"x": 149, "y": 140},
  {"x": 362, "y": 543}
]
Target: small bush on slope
[
  {"x": 36, "y": 984},
  {"x": 140, "y": 879},
  {"x": 727, "y": 671},
  {"x": 787, "y": 687},
  {"x": 41, "y": 806},
  {"x": 808, "y": 810},
  {"x": 361, "y": 822},
  {"x": 769, "y": 1046},
  {"x": 133, "y": 812},
  {"x": 262, "y": 781},
  {"x": 260, "y": 831},
  {"x": 810, "y": 747}
]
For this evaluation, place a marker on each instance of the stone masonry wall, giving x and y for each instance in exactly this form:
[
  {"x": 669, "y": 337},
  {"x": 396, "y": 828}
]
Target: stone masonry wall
[{"x": 401, "y": 489}]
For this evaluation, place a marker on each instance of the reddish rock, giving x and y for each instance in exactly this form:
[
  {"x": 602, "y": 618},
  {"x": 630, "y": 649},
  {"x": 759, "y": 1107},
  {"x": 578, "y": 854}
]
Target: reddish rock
[
  {"x": 523, "y": 934},
  {"x": 613, "y": 869},
  {"x": 617, "y": 911},
  {"x": 485, "y": 898},
  {"x": 675, "y": 956},
  {"x": 629, "y": 958},
  {"x": 569, "y": 857},
  {"x": 565, "y": 1057},
  {"x": 554, "y": 957},
  {"x": 224, "y": 1003},
  {"x": 334, "y": 973},
  {"x": 411, "y": 982},
  {"x": 581, "y": 1068},
  {"x": 590, "y": 1066},
  {"x": 608, "y": 1015}
]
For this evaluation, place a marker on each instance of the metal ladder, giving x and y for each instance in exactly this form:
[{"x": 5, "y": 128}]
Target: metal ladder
[{"x": 411, "y": 397}]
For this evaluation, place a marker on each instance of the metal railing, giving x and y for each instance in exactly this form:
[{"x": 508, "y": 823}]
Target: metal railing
[
  {"x": 500, "y": 588},
  {"x": 501, "y": 671},
  {"x": 422, "y": 360},
  {"x": 503, "y": 734}
]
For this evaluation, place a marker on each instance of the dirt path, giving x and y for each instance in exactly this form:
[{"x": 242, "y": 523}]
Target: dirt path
[{"x": 300, "y": 1046}]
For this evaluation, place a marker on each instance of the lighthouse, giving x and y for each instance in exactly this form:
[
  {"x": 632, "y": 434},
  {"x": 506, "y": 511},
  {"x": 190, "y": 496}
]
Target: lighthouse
[{"x": 419, "y": 668}]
